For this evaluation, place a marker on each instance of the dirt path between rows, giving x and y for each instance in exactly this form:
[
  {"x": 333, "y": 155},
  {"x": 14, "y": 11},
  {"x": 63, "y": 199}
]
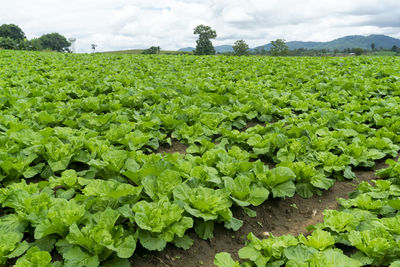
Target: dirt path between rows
[{"x": 275, "y": 216}]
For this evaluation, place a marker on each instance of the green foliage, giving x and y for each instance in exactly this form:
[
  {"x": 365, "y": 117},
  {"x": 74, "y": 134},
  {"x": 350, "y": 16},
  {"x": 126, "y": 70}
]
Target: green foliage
[
  {"x": 152, "y": 50},
  {"x": 12, "y": 31},
  {"x": 9, "y": 43},
  {"x": 54, "y": 41},
  {"x": 204, "y": 203},
  {"x": 240, "y": 48},
  {"x": 204, "y": 45},
  {"x": 35, "y": 44},
  {"x": 224, "y": 259},
  {"x": 88, "y": 158},
  {"x": 34, "y": 257},
  {"x": 279, "y": 48},
  {"x": 358, "y": 51},
  {"x": 368, "y": 223},
  {"x": 12, "y": 37},
  {"x": 160, "y": 222}
]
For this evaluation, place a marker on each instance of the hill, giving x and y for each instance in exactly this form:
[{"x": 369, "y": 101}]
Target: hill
[{"x": 351, "y": 41}]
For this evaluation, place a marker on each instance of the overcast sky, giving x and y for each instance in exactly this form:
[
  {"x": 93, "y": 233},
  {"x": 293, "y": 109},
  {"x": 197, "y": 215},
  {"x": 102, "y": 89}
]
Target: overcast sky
[{"x": 124, "y": 24}]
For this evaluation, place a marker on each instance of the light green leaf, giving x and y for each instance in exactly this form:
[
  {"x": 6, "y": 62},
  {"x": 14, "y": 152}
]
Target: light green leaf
[{"x": 224, "y": 259}]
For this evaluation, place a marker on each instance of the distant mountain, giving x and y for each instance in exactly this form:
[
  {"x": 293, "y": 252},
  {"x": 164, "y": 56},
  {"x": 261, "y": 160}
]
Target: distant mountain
[
  {"x": 362, "y": 42},
  {"x": 351, "y": 41},
  {"x": 186, "y": 49},
  {"x": 223, "y": 48}
]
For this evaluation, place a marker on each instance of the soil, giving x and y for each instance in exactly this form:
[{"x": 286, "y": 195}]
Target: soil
[
  {"x": 175, "y": 146},
  {"x": 275, "y": 216},
  {"x": 253, "y": 123}
]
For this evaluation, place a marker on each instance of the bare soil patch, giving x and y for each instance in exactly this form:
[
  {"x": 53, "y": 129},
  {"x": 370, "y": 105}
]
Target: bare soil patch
[{"x": 175, "y": 146}]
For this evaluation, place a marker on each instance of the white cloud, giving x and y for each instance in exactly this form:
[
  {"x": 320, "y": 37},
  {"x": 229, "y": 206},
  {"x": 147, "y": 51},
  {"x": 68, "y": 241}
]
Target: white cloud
[{"x": 124, "y": 24}]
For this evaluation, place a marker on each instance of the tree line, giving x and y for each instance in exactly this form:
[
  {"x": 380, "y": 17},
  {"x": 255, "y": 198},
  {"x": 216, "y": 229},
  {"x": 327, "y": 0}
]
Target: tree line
[
  {"x": 12, "y": 37},
  {"x": 240, "y": 47},
  {"x": 278, "y": 47}
]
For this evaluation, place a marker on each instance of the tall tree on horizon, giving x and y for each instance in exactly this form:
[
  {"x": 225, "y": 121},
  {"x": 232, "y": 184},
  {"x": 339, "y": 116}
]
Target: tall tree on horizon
[
  {"x": 240, "y": 48},
  {"x": 279, "y": 48},
  {"x": 54, "y": 41},
  {"x": 12, "y": 31},
  {"x": 204, "y": 45}
]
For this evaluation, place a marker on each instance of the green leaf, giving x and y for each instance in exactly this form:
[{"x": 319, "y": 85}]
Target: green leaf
[
  {"x": 151, "y": 243},
  {"x": 162, "y": 219},
  {"x": 251, "y": 213},
  {"x": 183, "y": 242},
  {"x": 205, "y": 203},
  {"x": 258, "y": 195},
  {"x": 19, "y": 250},
  {"x": 32, "y": 171},
  {"x": 319, "y": 239},
  {"x": 126, "y": 248},
  {"x": 44, "y": 244},
  {"x": 204, "y": 229},
  {"x": 234, "y": 224},
  {"x": 340, "y": 221},
  {"x": 115, "y": 158},
  {"x": 76, "y": 257},
  {"x": 349, "y": 174},
  {"x": 394, "y": 203},
  {"x": 131, "y": 165},
  {"x": 333, "y": 257},
  {"x": 113, "y": 190},
  {"x": 322, "y": 182},
  {"x": 362, "y": 258},
  {"x": 59, "y": 218},
  {"x": 254, "y": 255},
  {"x": 162, "y": 185},
  {"x": 10, "y": 245},
  {"x": 305, "y": 190},
  {"x": 34, "y": 257},
  {"x": 116, "y": 262},
  {"x": 280, "y": 175},
  {"x": 224, "y": 259},
  {"x": 299, "y": 253},
  {"x": 284, "y": 190},
  {"x": 69, "y": 177}
]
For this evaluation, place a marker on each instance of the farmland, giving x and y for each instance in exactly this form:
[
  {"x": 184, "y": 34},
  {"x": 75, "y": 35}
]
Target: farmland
[{"x": 105, "y": 158}]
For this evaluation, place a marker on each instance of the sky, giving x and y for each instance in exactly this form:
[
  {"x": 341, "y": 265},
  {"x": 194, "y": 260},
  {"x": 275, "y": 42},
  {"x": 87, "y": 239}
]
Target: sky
[{"x": 135, "y": 24}]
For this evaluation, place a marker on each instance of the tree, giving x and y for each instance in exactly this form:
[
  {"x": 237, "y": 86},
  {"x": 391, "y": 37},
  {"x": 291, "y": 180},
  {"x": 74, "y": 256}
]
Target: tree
[
  {"x": 54, "y": 41},
  {"x": 357, "y": 50},
  {"x": 204, "y": 45},
  {"x": 279, "y": 48},
  {"x": 394, "y": 48},
  {"x": 240, "y": 48},
  {"x": 93, "y": 46},
  {"x": 8, "y": 43},
  {"x": 12, "y": 31},
  {"x": 335, "y": 51},
  {"x": 35, "y": 44},
  {"x": 373, "y": 46},
  {"x": 152, "y": 50}
]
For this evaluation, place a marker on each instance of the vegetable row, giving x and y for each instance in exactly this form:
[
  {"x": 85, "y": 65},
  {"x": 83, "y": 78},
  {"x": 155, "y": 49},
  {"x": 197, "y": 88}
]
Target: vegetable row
[{"x": 82, "y": 172}]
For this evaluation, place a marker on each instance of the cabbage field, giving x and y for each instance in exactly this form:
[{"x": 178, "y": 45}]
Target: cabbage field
[{"x": 121, "y": 160}]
